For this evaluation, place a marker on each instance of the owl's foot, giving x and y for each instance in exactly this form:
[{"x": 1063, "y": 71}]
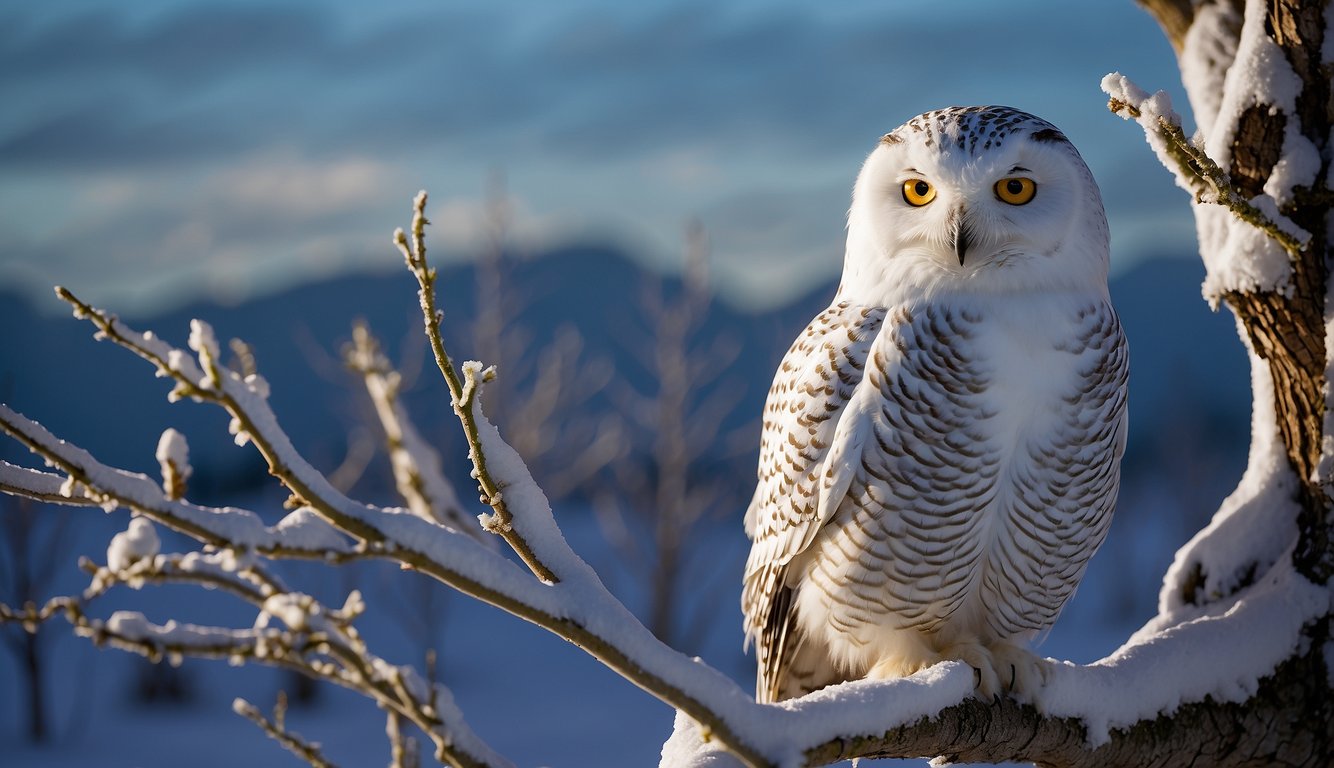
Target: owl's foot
[
  {"x": 1021, "y": 672},
  {"x": 979, "y": 657},
  {"x": 1001, "y": 667}
]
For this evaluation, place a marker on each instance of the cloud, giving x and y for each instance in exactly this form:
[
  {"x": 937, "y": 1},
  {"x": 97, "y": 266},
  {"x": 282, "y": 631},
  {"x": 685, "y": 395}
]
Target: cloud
[
  {"x": 245, "y": 133},
  {"x": 269, "y": 217},
  {"x": 465, "y": 224},
  {"x": 596, "y": 83}
]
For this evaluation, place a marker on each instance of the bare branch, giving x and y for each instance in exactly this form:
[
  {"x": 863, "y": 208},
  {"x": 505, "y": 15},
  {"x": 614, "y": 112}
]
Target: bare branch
[
  {"x": 402, "y": 748},
  {"x": 462, "y": 391},
  {"x": 277, "y": 730},
  {"x": 1209, "y": 182},
  {"x": 417, "y": 471}
]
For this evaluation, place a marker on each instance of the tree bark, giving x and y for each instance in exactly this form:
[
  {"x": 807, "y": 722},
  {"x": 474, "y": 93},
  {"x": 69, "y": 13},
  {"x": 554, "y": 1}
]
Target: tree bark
[
  {"x": 1259, "y": 733},
  {"x": 1287, "y": 329}
]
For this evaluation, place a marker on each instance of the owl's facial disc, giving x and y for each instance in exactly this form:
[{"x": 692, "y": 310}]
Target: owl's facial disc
[{"x": 968, "y": 215}]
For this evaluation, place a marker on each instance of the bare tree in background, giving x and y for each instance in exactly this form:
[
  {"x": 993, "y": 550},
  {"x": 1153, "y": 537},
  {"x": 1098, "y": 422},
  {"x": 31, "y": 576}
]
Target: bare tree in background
[
  {"x": 659, "y": 496},
  {"x": 35, "y": 543},
  {"x": 542, "y": 386}
]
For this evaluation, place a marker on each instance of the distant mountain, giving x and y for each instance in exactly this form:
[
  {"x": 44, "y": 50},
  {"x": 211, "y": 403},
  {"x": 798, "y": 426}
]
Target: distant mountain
[{"x": 1188, "y": 368}]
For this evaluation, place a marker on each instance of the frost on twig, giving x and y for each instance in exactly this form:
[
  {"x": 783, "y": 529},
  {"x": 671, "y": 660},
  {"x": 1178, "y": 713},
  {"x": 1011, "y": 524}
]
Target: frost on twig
[{"x": 1193, "y": 169}]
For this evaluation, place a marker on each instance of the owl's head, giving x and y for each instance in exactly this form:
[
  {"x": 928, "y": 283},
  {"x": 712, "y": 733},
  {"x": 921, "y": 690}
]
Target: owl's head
[{"x": 974, "y": 199}]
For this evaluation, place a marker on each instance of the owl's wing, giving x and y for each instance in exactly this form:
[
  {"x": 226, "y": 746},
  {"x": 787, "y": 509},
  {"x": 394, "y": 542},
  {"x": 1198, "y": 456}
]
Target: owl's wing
[
  {"x": 803, "y": 475},
  {"x": 1061, "y": 491}
]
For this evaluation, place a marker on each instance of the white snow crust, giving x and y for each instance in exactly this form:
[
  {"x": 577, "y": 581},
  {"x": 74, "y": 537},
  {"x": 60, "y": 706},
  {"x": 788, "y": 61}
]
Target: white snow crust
[
  {"x": 1230, "y": 65},
  {"x": 1222, "y": 652},
  {"x": 172, "y": 448},
  {"x": 135, "y": 543},
  {"x": 1257, "y": 523}
]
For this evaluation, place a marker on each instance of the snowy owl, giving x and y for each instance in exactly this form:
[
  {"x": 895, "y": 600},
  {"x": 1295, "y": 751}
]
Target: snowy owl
[{"x": 941, "y": 448}]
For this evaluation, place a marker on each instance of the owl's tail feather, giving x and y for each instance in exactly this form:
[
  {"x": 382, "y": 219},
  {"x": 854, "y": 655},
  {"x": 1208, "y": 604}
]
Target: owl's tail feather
[{"x": 789, "y": 666}]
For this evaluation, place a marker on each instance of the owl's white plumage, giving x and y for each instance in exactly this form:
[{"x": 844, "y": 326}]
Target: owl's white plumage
[{"x": 941, "y": 447}]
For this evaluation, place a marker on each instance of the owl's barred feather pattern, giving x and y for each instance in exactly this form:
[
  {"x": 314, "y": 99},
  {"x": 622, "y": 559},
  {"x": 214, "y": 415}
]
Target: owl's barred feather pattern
[{"x": 941, "y": 447}]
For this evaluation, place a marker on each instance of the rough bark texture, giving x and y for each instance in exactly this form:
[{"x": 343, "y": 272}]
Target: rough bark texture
[
  {"x": 1288, "y": 723},
  {"x": 1287, "y": 329}
]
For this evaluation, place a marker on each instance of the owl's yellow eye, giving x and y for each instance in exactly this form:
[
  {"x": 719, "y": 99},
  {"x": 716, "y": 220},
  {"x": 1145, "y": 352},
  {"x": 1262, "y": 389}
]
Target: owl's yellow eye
[
  {"x": 917, "y": 192},
  {"x": 1016, "y": 190}
]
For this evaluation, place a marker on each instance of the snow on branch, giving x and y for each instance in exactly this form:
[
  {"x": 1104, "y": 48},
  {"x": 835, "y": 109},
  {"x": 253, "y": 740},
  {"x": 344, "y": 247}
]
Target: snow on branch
[
  {"x": 38, "y": 486},
  {"x": 418, "y": 474},
  {"x": 578, "y": 607},
  {"x": 464, "y": 393},
  {"x": 315, "y": 640},
  {"x": 1193, "y": 169}
]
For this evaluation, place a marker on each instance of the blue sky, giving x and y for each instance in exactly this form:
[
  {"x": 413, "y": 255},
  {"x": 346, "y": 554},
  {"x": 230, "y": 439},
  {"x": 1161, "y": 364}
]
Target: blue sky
[{"x": 155, "y": 152}]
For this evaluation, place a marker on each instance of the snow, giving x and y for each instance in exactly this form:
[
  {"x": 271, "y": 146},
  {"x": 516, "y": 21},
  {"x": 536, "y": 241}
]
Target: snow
[
  {"x": 417, "y": 468},
  {"x": 203, "y": 341},
  {"x": 1260, "y": 74},
  {"x": 173, "y": 456},
  {"x": 43, "y": 485},
  {"x": 1298, "y": 166},
  {"x": 1237, "y": 255},
  {"x": 304, "y": 529},
  {"x": 135, "y": 543},
  {"x": 292, "y": 608},
  {"x": 133, "y": 627},
  {"x": 172, "y": 449},
  {"x": 1210, "y": 42},
  {"x": 1151, "y": 109},
  {"x": 1222, "y": 653},
  {"x": 1256, "y": 524}
]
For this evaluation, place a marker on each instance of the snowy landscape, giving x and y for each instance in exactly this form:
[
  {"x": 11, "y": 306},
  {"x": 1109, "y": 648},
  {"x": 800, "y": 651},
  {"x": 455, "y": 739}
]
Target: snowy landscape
[
  {"x": 544, "y": 701},
  {"x": 285, "y": 489}
]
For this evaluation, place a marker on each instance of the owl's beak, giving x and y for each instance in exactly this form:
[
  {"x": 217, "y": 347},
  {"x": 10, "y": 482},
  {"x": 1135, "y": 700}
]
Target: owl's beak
[{"x": 959, "y": 228}]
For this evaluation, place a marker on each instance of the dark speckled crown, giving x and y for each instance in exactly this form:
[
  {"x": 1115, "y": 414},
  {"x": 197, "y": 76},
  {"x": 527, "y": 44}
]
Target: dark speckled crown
[{"x": 975, "y": 129}]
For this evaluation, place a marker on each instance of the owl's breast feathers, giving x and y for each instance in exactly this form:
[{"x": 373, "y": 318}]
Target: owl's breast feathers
[{"x": 945, "y": 468}]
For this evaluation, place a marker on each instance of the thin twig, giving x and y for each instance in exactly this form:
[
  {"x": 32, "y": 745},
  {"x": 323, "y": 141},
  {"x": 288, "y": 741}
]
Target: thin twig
[
  {"x": 277, "y": 730},
  {"x": 1206, "y": 176},
  {"x": 402, "y": 748},
  {"x": 462, "y": 392}
]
